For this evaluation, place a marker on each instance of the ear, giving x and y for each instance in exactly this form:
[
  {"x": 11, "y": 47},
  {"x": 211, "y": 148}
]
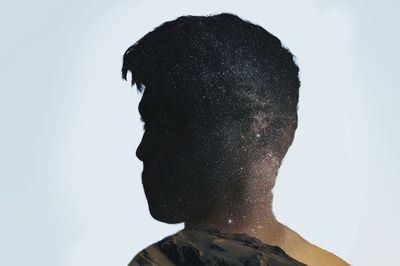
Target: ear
[
  {"x": 261, "y": 132},
  {"x": 260, "y": 123},
  {"x": 271, "y": 135}
]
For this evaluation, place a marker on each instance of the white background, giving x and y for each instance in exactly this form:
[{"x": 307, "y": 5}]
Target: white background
[{"x": 70, "y": 186}]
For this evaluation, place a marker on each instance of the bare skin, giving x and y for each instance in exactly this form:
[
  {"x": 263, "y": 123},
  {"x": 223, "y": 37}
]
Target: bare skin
[
  {"x": 252, "y": 214},
  {"x": 261, "y": 223},
  {"x": 246, "y": 207}
]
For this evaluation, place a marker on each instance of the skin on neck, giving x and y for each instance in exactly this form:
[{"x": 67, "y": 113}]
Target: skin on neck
[
  {"x": 251, "y": 213},
  {"x": 246, "y": 208}
]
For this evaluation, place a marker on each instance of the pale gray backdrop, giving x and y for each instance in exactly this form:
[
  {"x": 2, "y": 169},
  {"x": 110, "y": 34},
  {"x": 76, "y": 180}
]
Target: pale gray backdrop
[{"x": 70, "y": 187}]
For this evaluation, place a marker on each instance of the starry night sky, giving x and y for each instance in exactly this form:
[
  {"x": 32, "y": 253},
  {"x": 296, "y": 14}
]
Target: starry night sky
[{"x": 220, "y": 110}]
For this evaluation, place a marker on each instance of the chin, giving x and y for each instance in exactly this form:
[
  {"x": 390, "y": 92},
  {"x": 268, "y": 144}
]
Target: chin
[{"x": 166, "y": 215}]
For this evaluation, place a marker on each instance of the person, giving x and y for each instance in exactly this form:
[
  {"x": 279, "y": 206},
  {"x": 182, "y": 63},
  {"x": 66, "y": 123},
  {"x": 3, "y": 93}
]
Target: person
[{"x": 219, "y": 107}]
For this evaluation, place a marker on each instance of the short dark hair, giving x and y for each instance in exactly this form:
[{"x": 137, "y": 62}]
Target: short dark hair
[{"x": 222, "y": 62}]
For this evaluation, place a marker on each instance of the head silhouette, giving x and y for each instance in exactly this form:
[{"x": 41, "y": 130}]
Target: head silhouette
[{"x": 219, "y": 105}]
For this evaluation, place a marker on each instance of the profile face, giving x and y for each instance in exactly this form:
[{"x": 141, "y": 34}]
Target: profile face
[{"x": 188, "y": 160}]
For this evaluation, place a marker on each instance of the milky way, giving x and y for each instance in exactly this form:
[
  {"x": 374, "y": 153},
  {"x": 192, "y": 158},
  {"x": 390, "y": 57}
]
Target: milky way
[{"x": 220, "y": 105}]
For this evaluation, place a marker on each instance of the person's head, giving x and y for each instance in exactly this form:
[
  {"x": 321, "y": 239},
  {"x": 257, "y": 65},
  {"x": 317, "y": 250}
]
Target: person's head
[{"x": 219, "y": 104}]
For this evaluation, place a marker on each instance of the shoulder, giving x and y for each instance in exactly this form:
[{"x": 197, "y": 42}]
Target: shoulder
[
  {"x": 211, "y": 247},
  {"x": 324, "y": 257},
  {"x": 150, "y": 256},
  {"x": 310, "y": 254},
  {"x": 163, "y": 252}
]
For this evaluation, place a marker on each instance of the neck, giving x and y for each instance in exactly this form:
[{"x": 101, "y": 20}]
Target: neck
[{"x": 251, "y": 213}]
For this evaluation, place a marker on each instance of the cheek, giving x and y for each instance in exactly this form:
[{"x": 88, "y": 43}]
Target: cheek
[
  {"x": 203, "y": 160},
  {"x": 217, "y": 164}
]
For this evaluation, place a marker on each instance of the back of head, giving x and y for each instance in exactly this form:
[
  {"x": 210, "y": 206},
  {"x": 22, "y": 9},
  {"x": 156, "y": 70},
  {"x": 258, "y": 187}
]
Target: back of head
[{"x": 228, "y": 67}]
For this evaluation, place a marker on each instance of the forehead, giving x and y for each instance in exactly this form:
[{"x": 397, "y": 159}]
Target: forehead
[{"x": 158, "y": 98}]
